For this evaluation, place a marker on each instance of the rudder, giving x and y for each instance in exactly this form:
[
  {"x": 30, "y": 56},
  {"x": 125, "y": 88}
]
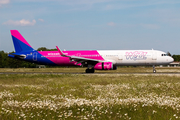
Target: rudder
[{"x": 20, "y": 44}]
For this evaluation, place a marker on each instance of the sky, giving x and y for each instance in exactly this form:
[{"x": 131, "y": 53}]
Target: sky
[{"x": 92, "y": 24}]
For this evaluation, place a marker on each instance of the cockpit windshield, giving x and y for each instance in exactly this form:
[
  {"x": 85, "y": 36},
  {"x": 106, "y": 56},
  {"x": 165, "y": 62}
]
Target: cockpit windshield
[{"x": 164, "y": 54}]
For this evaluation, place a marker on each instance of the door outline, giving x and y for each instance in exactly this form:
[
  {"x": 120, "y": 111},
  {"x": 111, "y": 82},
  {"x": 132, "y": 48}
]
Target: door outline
[
  {"x": 35, "y": 56},
  {"x": 120, "y": 56},
  {"x": 154, "y": 55}
]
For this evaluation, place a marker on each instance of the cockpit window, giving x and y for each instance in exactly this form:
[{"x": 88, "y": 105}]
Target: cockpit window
[{"x": 164, "y": 54}]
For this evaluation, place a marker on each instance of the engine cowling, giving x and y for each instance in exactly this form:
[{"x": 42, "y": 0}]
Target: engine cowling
[{"x": 105, "y": 66}]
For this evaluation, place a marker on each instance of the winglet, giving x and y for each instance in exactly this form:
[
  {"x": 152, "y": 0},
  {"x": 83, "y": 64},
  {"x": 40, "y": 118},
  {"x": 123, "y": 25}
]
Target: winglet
[{"x": 61, "y": 53}]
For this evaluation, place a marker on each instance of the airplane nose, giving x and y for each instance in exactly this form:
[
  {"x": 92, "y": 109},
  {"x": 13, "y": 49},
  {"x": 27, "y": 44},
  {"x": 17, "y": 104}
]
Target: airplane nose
[{"x": 171, "y": 59}]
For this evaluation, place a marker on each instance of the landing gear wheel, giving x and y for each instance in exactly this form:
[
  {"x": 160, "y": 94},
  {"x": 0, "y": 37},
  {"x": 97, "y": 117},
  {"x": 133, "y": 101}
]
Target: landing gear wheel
[
  {"x": 92, "y": 70},
  {"x": 89, "y": 70},
  {"x": 154, "y": 69}
]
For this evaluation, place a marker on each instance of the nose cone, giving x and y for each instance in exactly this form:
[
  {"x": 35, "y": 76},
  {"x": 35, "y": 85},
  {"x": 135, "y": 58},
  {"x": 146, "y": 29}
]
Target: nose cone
[{"x": 171, "y": 59}]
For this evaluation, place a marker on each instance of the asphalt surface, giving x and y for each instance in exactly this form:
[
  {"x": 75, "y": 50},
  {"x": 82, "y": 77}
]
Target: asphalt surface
[{"x": 158, "y": 73}]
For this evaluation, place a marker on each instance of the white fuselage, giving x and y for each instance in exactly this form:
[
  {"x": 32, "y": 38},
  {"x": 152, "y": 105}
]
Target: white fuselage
[{"x": 136, "y": 57}]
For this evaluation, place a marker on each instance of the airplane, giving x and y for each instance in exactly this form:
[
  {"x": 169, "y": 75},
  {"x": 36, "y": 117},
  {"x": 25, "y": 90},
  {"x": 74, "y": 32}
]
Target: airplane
[{"x": 92, "y": 59}]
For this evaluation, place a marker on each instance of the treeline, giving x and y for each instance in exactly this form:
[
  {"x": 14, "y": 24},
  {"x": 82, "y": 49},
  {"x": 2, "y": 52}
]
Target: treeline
[
  {"x": 45, "y": 49},
  {"x": 176, "y": 58},
  {"x": 7, "y": 62}
]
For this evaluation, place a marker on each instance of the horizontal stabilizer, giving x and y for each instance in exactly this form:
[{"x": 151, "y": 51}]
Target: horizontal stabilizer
[{"x": 16, "y": 55}]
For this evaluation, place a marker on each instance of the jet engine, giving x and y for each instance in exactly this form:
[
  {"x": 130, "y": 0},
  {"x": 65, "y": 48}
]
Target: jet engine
[{"x": 105, "y": 66}]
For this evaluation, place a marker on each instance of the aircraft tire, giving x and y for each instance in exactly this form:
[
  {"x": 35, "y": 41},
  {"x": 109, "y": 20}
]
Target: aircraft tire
[
  {"x": 92, "y": 70},
  {"x": 89, "y": 70}
]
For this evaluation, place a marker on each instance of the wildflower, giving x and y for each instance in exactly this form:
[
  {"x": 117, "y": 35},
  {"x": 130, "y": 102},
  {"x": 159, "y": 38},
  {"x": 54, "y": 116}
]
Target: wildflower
[{"x": 154, "y": 111}]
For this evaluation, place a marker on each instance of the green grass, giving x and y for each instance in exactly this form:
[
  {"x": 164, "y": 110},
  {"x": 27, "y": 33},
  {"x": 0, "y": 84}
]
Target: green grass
[{"x": 89, "y": 96}]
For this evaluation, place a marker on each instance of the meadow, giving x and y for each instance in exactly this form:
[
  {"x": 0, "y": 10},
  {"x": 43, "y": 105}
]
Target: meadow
[{"x": 89, "y": 96}]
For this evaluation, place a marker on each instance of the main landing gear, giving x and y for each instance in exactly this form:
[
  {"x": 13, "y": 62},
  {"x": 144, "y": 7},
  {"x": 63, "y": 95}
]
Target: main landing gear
[
  {"x": 154, "y": 69},
  {"x": 90, "y": 70}
]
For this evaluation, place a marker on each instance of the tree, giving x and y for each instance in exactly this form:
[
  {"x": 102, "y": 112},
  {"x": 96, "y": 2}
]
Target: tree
[
  {"x": 1, "y": 59},
  {"x": 176, "y": 58},
  {"x": 42, "y": 49},
  {"x": 168, "y": 53},
  {"x": 46, "y": 49}
]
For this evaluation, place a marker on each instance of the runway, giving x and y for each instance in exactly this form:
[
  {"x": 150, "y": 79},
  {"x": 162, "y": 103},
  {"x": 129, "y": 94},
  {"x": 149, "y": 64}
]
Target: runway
[{"x": 98, "y": 73}]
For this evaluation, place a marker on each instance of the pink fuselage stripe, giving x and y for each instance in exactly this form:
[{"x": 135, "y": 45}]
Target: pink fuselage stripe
[
  {"x": 17, "y": 35},
  {"x": 56, "y": 58}
]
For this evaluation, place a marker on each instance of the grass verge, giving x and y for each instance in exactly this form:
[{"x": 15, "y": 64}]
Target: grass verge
[{"x": 73, "y": 96}]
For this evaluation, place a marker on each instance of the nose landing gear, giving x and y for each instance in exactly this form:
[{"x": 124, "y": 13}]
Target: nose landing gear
[{"x": 154, "y": 69}]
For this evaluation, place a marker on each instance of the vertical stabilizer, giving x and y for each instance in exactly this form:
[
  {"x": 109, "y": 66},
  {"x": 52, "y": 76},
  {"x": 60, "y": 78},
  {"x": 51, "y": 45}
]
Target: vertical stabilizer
[{"x": 20, "y": 44}]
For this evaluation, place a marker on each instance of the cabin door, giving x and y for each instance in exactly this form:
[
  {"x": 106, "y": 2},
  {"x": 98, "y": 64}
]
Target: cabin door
[
  {"x": 154, "y": 55},
  {"x": 35, "y": 56},
  {"x": 120, "y": 56}
]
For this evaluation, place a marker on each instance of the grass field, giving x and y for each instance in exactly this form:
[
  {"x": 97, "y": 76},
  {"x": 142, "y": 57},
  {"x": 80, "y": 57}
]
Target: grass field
[{"x": 89, "y": 96}]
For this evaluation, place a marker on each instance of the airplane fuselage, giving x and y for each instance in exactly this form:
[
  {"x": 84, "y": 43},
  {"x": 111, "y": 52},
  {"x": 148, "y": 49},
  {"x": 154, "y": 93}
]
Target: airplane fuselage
[
  {"x": 92, "y": 59},
  {"x": 117, "y": 57}
]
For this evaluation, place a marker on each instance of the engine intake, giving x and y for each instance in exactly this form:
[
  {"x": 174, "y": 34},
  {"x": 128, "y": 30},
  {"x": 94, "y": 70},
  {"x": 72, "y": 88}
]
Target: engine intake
[{"x": 105, "y": 66}]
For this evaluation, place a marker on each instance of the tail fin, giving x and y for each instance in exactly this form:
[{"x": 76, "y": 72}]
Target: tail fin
[{"x": 20, "y": 44}]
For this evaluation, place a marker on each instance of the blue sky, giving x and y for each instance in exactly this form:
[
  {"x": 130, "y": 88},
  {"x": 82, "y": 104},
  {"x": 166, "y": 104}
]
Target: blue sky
[{"x": 92, "y": 24}]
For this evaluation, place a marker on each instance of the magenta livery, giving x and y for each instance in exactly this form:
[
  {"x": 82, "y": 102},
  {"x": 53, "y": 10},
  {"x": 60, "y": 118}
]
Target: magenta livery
[{"x": 92, "y": 59}]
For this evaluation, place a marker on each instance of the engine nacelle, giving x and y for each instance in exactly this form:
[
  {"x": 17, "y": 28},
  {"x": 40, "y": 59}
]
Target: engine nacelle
[{"x": 105, "y": 66}]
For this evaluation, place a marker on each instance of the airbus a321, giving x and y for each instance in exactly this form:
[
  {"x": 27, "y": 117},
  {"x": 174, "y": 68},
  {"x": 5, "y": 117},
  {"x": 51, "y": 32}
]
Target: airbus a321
[{"x": 92, "y": 59}]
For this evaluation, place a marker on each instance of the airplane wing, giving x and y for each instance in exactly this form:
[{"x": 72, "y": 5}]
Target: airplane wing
[
  {"x": 81, "y": 60},
  {"x": 84, "y": 60}
]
